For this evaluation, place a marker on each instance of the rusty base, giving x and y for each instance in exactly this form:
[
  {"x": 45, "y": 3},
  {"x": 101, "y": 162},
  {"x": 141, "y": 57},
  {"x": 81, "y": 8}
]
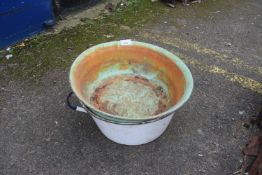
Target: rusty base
[{"x": 127, "y": 95}]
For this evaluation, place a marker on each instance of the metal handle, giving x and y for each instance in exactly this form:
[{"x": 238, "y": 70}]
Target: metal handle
[{"x": 74, "y": 107}]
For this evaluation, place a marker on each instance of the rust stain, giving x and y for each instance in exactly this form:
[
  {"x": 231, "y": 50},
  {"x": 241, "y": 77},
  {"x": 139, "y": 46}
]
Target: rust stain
[{"x": 107, "y": 98}]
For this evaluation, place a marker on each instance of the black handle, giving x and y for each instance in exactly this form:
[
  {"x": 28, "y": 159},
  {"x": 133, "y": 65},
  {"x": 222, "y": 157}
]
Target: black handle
[
  {"x": 68, "y": 101},
  {"x": 74, "y": 107}
]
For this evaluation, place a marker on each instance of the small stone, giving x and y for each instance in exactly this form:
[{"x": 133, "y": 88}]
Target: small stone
[
  {"x": 228, "y": 44},
  {"x": 202, "y": 171},
  {"x": 12, "y": 161},
  {"x": 196, "y": 1},
  {"x": 171, "y": 5},
  {"x": 56, "y": 122},
  {"x": 165, "y": 22},
  {"x": 48, "y": 139},
  {"x": 200, "y": 132},
  {"x": 125, "y": 27},
  {"x": 109, "y": 36},
  {"x": 233, "y": 119},
  {"x": 3, "y": 89},
  {"x": 200, "y": 155},
  {"x": 241, "y": 112},
  {"x": 21, "y": 45},
  {"x": 217, "y": 11},
  {"x": 8, "y": 48},
  {"x": 8, "y": 56},
  {"x": 13, "y": 65}
]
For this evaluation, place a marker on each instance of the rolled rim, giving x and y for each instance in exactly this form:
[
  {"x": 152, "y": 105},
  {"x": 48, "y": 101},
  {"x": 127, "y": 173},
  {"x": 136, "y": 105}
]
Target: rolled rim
[{"x": 120, "y": 119}]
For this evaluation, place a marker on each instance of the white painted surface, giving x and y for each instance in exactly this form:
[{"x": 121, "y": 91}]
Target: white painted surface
[
  {"x": 125, "y": 42},
  {"x": 80, "y": 109},
  {"x": 133, "y": 134}
]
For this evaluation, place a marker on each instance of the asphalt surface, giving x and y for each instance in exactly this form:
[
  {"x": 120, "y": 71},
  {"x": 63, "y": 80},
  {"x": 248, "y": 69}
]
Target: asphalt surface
[{"x": 40, "y": 135}]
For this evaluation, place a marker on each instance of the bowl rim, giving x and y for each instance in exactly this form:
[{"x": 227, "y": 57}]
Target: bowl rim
[{"x": 116, "y": 118}]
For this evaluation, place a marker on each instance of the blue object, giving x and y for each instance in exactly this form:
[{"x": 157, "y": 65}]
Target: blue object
[{"x": 20, "y": 19}]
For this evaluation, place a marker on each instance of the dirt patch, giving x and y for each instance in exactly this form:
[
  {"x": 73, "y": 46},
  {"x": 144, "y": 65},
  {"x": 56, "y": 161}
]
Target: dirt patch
[{"x": 77, "y": 17}]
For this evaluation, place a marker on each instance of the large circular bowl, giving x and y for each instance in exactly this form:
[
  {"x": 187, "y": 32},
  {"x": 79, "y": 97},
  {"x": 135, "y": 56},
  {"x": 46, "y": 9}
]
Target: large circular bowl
[{"x": 130, "y": 82}]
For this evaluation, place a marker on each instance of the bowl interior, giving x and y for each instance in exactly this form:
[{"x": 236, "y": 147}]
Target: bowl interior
[{"x": 132, "y": 82}]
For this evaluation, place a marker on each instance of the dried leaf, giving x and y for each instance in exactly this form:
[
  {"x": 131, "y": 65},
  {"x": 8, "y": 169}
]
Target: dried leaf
[
  {"x": 253, "y": 146},
  {"x": 256, "y": 168}
]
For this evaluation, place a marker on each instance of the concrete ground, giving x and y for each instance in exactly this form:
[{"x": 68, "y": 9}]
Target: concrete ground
[{"x": 40, "y": 135}]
